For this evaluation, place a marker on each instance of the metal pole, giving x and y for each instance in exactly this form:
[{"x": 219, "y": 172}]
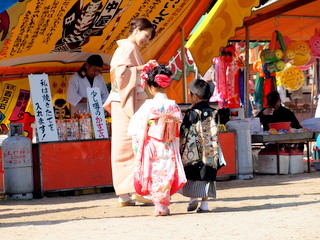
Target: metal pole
[
  {"x": 313, "y": 82},
  {"x": 183, "y": 59},
  {"x": 316, "y": 82},
  {"x": 247, "y": 74},
  {"x": 317, "y": 76}
]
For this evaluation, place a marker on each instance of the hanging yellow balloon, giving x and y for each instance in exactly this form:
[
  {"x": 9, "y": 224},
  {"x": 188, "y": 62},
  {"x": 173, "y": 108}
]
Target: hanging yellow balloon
[
  {"x": 292, "y": 78},
  {"x": 290, "y": 54},
  {"x": 278, "y": 78},
  {"x": 301, "y": 52}
]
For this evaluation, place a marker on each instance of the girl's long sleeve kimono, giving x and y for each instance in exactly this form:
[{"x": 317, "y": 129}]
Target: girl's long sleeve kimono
[{"x": 155, "y": 132}]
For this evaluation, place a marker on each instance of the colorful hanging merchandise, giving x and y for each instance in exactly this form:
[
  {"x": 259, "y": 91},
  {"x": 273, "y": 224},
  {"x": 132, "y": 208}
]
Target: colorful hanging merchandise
[
  {"x": 228, "y": 72},
  {"x": 314, "y": 44},
  {"x": 299, "y": 52},
  {"x": 291, "y": 78},
  {"x": 272, "y": 60},
  {"x": 258, "y": 83}
]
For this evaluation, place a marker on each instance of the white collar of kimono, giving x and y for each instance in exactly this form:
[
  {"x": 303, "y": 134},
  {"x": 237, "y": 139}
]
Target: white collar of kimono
[{"x": 160, "y": 96}]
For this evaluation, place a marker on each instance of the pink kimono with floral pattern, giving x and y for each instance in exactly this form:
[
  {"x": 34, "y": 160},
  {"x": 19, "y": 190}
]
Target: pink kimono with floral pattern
[{"x": 154, "y": 129}]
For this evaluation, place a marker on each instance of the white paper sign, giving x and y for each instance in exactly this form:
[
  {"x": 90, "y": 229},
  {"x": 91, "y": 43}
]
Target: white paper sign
[
  {"x": 97, "y": 113},
  {"x": 43, "y": 109}
]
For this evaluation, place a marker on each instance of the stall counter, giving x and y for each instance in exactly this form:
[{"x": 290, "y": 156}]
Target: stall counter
[
  {"x": 304, "y": 138},
  {"x": 228, "y": 147},
  {"x": 74, "y": 165},
  {"x": 84, "y": 164}
]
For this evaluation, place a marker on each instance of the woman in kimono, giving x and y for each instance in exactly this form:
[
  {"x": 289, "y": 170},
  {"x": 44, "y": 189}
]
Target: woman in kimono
[
  {"x": 126, "y": 96},
  {"x": 199, "y": 147},
  {"x": 155, "y": 132}
]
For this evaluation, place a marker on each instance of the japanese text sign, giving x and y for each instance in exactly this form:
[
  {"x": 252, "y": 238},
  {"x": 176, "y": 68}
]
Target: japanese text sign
[
  {"x": 97, "y": 113},
  {"x": 43, "y": 109}
]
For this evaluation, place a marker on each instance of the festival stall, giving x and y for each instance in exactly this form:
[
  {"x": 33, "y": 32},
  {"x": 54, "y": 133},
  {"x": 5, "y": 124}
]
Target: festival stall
[
  {"x": 291, "y": 27},
  {"x": 43, "y": 43},
  {"x": 278, "y": 22},
  {"x": 56, "y": 37},
  {"x": 289, "y": 63},
  {"x": 287, "y": 59}
]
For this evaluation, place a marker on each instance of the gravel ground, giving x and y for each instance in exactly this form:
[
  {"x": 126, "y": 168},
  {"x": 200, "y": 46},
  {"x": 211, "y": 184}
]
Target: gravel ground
[{"x": 266, "y": 207}]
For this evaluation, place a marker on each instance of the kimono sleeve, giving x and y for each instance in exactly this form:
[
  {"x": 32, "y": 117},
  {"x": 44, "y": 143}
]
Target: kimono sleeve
[
  {"x": 126, "y": 78},
  {"x": 138, "y": 122},
  {"x": 137, "y": 129}
]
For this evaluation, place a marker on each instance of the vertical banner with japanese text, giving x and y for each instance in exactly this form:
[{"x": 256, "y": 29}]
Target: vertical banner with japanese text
[
  {"x": 43, "y": 108},
  {"x": 97, "y": 113}
]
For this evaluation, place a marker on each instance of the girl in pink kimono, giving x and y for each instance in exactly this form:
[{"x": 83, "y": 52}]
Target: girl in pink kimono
[
  {"x": 126, "y": 96},
  {"x": 154, "y": 129}
]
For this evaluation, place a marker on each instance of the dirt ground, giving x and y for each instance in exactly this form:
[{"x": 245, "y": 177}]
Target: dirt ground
[{"x": 266, "y": 207}]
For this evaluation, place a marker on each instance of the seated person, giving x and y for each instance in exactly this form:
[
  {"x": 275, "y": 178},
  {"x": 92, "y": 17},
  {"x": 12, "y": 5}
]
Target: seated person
[{"x": 275, "y": 112}]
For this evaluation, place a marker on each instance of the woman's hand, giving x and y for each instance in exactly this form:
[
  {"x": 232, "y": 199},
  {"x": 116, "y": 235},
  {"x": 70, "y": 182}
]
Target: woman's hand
[
  {"x": 151, "y": 62},
  {"x": 139, "y": 68}
]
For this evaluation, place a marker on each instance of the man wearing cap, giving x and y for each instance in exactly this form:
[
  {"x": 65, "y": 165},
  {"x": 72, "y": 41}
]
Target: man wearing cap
[
  {"x": 88, "y": 76},
  {"x": 275, "y": 112}
]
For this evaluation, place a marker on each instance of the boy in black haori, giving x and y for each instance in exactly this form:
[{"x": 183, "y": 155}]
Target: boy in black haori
[{"x": 199, "y": 147}]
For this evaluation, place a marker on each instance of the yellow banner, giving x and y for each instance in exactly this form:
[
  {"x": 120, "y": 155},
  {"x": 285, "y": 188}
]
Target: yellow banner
[
  {"x": 15, "y": 104},
  {"x": 216, "y": 29},
  {"x": 67, "y": 31}
]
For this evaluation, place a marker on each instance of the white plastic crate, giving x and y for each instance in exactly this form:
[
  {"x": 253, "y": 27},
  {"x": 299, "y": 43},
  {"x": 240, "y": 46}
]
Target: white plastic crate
[
  {"x": 296, "y": 164},
  {"x": 267, "y": 163}
]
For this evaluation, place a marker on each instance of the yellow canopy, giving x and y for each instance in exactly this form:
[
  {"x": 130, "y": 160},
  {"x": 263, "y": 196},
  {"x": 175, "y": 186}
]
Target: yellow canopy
[
  {"x": 55, "y": 33},
  {"x": 216, "y": 29}
]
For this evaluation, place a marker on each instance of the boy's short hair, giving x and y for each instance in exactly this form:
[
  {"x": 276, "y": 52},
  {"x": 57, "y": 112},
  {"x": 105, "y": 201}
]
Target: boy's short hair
[{"x": 200, "y": 88}]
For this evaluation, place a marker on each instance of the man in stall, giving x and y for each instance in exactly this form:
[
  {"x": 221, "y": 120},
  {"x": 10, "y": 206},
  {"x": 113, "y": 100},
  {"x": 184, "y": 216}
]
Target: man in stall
[
  {"x": 275, "y": 112},
  {"x": 88, "y": 76}
]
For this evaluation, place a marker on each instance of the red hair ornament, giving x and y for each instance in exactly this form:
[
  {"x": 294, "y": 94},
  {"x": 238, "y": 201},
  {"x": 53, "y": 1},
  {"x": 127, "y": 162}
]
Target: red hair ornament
[{"x": 163, "y": 80}]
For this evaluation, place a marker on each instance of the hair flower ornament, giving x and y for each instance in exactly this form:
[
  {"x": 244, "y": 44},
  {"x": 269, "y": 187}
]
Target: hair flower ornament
[
  {"x": 144, "y": 76},
  {"x": 148, "y": 67},
  {"x": 163, "y": 80}
]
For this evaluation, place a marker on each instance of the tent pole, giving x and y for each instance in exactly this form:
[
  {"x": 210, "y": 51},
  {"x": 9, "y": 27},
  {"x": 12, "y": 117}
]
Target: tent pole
[
  {"x": 247, "y": 74},
  {"x": 183, "y": 60},
  {"x": 316, "y": 83},
  {"x": 313, "y": 88}
]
